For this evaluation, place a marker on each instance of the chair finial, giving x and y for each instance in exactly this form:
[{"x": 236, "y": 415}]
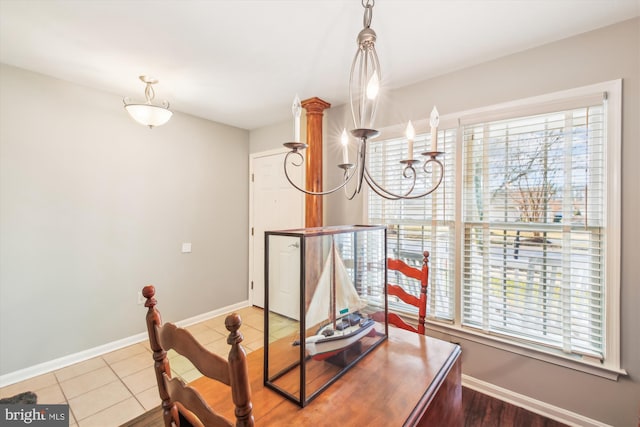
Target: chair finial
[
  {"x": 233, "y": 323},
  {"x": 149, "y": 292}
]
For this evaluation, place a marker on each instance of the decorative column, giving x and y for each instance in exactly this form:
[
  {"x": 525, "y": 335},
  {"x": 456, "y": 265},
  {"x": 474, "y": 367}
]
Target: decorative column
[{"x": 313, "y": 204}]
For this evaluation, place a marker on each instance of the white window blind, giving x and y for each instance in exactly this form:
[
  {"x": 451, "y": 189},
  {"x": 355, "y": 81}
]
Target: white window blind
[
  {"x": 524, "y": 232},
  {"x": 418, "y": 225},
  {"x": 533, "y": 208}
]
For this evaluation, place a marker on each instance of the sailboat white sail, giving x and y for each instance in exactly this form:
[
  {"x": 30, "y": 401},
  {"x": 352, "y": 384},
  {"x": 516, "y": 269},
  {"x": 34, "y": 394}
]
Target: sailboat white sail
[
  {"x": 335, "y": 281},
  {"x": 346, "y": 297}
]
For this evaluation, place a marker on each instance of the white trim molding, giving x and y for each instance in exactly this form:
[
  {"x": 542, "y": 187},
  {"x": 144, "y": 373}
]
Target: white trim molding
[
  {"x": 537, "y": 406},
  {"x": 81, "y": 356}
]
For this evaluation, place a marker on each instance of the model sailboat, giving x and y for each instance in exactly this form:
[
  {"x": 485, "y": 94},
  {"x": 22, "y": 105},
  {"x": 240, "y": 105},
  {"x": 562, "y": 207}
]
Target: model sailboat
[{"x": 335, "y": 300}]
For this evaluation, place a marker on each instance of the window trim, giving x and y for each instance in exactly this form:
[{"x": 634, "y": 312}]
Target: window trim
[{"x": 610, "y": 367}]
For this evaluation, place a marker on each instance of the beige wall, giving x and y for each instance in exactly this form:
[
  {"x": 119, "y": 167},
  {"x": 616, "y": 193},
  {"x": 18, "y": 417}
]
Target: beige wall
[
  {"x": 94, "y": 206},
  {"x": 606, "y": 54},
  {"x": 272, "y": 137}
]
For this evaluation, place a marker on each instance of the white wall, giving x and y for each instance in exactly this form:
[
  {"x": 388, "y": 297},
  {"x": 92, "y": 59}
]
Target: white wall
[
  {"x": 606, "y": 54},
  {"x": 94, "y": 206}
]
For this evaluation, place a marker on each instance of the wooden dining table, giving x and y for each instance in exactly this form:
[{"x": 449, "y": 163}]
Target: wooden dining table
[{"x": 408, "y": 380}]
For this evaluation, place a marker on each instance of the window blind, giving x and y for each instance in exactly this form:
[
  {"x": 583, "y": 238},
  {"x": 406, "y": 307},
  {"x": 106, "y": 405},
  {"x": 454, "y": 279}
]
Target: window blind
[
  {"x": 524, "y": 232},
  {"x": 533, "y": 218},
  {"x": 418, "y": 225}
]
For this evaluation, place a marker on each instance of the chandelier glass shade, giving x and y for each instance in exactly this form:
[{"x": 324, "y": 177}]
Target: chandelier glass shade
[
  {"x": 147, "y": 113},
  {"x": 364, "y": 86},
  {"x": 364, "y": 81}
]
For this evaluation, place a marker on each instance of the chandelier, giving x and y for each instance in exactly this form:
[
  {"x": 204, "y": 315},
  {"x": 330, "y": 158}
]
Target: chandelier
[
  {"x": 364, "y": 84},
  {"x": 148, "y": 114}
]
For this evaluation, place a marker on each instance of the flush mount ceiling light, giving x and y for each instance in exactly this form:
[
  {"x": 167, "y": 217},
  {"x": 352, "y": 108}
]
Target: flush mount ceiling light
[
  {"x": 364, "y": 84},
  {"x": 148, "y": 114}
]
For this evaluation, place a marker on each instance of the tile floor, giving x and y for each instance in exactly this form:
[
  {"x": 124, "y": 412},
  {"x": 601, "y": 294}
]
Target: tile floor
[{"x": 113, "y": 388}]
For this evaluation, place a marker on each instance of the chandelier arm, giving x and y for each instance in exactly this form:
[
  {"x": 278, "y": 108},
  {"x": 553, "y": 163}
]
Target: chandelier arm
[
  {"x": 377, "y": 189},
  {"x": 355, "y": 190},
  {"x": 361, "y": 161},
  {"x": 311, "y": 193},
  {"x": 382, "y": 192},
  {"x": 437, "y": 184},
  {"x": 359, "y": 170},
  {"x": 405, "y": 174}
]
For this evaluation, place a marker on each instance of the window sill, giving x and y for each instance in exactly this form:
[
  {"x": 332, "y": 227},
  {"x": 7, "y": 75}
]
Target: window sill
[{"x": 576, "y": 362}]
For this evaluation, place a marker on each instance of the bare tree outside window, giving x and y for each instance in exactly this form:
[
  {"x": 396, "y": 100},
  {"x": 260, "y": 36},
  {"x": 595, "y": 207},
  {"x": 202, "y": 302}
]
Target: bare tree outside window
[{"x": 531, "y": 177}]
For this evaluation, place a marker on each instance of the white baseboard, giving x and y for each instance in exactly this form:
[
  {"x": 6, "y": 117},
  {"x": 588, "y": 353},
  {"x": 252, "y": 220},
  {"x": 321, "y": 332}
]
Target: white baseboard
[
  {"x": 530, "y": 404},
  {"x": 211, "y": 314},
  {"x": 62, "y": 362}
]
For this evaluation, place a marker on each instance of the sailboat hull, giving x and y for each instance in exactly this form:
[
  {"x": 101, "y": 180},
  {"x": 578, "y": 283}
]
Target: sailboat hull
[{"x": 320, "y": 344}]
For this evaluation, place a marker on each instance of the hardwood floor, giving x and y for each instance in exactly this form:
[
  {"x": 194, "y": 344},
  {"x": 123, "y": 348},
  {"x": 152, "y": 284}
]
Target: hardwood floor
[{"x": 481, "y": 410}]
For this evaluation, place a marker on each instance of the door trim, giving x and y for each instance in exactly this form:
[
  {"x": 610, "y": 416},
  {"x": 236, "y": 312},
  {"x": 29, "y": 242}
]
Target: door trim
[{"x": 252, "y": 158}]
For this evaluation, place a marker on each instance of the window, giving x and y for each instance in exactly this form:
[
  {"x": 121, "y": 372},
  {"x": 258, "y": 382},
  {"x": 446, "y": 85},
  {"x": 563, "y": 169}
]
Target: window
[
  {"x": 416, "y": 225},
  {"x": 523, "y": 234}
]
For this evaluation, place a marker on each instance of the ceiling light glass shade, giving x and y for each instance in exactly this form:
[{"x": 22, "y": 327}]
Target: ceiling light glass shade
[
  {"x": 364, "y": 81},
  {"x": 148, "y": 114}
]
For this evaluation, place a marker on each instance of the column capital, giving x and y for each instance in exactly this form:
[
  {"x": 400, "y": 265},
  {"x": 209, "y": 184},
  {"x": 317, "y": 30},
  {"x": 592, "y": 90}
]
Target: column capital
[{"x": 315, "y": 105}]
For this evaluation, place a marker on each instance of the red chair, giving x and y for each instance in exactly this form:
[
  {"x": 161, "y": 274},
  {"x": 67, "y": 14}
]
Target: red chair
[{"x": 422, "y": 275}]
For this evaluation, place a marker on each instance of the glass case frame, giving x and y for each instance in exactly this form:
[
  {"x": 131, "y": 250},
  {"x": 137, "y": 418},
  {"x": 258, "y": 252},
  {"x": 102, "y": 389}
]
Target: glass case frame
[{"x": 298, "y": 362}]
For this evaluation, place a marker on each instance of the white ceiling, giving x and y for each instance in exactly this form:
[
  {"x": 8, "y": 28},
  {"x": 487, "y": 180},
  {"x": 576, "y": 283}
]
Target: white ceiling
[{"x": 241, "y": 62}]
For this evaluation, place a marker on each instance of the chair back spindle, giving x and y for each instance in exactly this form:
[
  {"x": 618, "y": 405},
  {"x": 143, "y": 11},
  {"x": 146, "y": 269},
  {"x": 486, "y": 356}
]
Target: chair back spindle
[
  {"x": 181, "y": 404},
  {"x": 420, "y": 301}
]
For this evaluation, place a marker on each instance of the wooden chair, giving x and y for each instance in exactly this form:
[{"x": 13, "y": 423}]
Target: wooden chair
[
  {"x": 420, "y": 274},
  {"x": 182, "y": 405}
]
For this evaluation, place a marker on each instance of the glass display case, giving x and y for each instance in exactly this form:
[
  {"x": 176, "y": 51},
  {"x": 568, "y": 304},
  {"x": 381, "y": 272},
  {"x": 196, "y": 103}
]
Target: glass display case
[{"x": 325, "y": 305}]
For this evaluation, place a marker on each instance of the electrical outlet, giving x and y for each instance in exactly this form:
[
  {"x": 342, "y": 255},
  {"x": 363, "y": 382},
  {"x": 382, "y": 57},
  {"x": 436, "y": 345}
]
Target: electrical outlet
[{"x": 140, "y": 298}]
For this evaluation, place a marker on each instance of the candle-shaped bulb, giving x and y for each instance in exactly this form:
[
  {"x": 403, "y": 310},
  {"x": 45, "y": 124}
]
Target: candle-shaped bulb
[
  {"x": 411, "y": 134},
  {"x": 296, "y": 109},
  {"x": 344, "y": 139},
  {"x": 373, "y": 87},
  {"x": 434, "y": 121}
]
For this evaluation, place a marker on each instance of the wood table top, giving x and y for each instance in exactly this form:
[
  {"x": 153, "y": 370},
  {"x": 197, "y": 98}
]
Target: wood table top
[{"x": 391, "y": 386}]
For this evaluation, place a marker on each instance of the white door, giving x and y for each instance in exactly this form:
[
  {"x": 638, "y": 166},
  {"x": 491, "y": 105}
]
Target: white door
[
  {"x": 284, "y": 276},
  {"x": 274, "y": 205}
]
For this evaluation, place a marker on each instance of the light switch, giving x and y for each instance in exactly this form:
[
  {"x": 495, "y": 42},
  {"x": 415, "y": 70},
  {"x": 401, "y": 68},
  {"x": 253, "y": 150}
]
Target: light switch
[{"x": 186, "y": 248}]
